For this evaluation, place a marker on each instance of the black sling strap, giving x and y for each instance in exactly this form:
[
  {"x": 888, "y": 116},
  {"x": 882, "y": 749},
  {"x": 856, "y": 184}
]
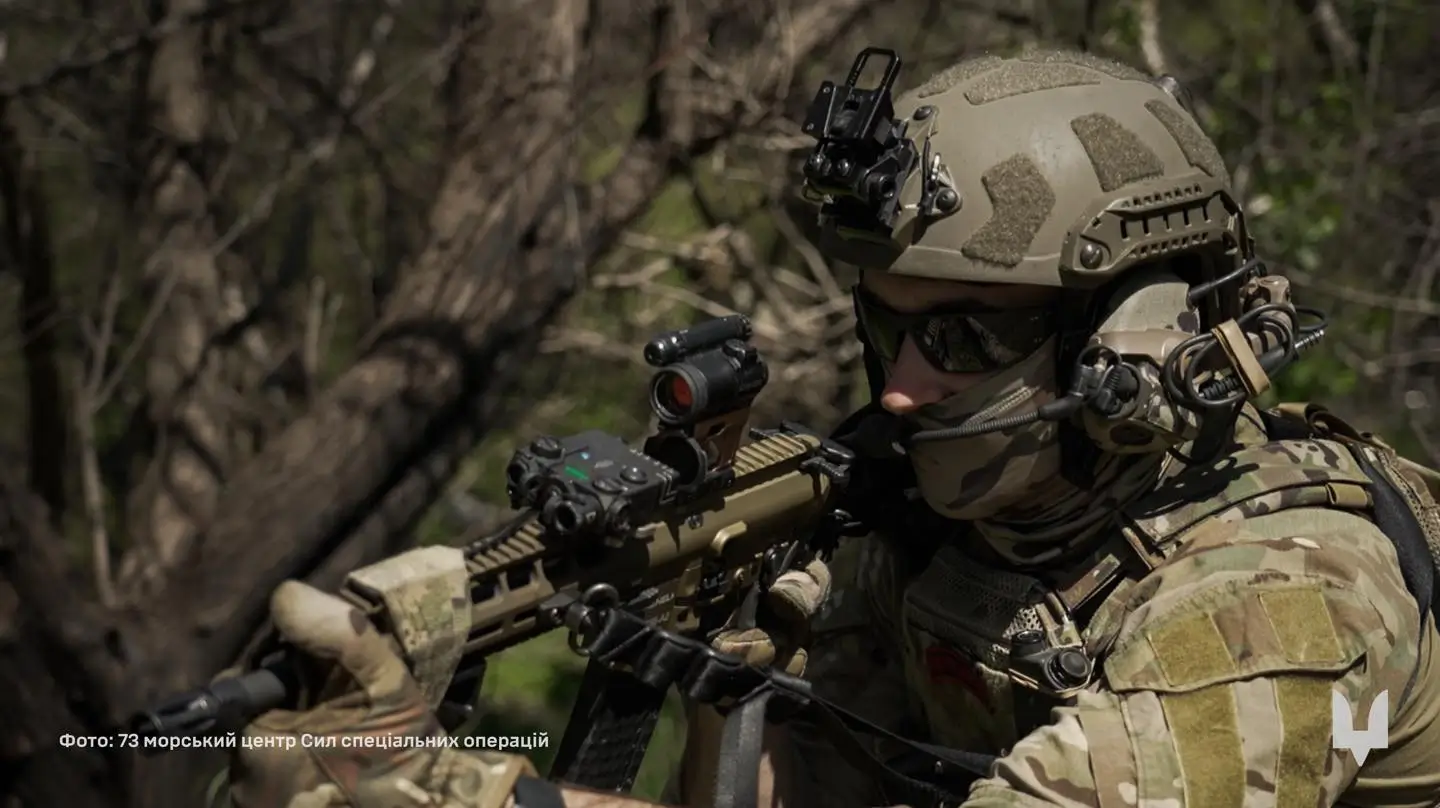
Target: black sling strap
[
  {"x": 750, "y": 696},
  {"x": 608, "y": 731}
]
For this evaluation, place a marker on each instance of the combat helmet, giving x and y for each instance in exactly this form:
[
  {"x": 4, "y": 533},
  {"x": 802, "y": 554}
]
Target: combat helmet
[
  {"x": 1062, "y": 169},
  {"x": 1050, "y": 168}
]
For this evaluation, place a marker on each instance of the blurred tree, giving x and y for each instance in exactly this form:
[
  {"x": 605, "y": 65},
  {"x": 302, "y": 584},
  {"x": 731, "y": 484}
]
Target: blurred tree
[{"x": 240, "y": 169}]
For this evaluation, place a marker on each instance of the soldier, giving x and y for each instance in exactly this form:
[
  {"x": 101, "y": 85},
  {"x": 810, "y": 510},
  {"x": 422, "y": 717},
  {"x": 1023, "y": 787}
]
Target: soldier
[{"x": 1094, "y": 558}]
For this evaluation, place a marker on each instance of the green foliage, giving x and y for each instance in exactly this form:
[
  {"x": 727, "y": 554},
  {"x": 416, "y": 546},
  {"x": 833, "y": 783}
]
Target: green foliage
[{"x": 1293, "y": 129}]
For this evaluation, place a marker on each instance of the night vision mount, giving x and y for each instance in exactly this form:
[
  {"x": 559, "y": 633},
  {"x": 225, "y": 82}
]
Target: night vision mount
[{"x": 864, "y": 154}]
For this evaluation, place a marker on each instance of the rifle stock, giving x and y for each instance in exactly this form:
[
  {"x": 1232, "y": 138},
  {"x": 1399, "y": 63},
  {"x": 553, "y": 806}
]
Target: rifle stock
[{"x": 710, "y": 537}]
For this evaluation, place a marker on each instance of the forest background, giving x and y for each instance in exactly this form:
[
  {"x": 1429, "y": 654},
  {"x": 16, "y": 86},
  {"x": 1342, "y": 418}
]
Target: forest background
[{"x": 282, "y": 285}]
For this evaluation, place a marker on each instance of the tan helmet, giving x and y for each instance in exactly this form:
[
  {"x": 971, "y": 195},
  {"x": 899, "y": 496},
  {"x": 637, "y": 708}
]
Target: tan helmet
[{"x": 1049, "y": 168}]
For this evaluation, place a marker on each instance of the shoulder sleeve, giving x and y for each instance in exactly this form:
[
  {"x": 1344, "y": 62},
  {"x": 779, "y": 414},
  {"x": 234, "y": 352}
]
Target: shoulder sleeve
[
  {"x": 854, "y": 662},
  {"x": 1219, "y": 689}
]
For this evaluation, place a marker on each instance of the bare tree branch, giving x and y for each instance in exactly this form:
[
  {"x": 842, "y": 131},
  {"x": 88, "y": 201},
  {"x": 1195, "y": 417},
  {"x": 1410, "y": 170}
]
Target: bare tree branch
[
  {"x": 184, "y": 380},
  {"x": 1148, "y": 12},
  {"x": 27, "y": 253},
  {"x": 604, "y": 211},
  {"x": 122, "y": 47},
  {"x": 459, "y": 303},
  {"x": 1342, "y": 47}
]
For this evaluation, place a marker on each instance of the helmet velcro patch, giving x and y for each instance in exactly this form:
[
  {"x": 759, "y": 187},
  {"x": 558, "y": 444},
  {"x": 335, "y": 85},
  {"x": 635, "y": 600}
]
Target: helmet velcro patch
[
  {"x": 1017, "y": 78},
  {"x": 1099, "y": 64},
  {"x": 1120, "y": 157},
  {"x": 955, "y": 74},
  {"x": 1198, "y": 149},
  {"x": 1021, "y": 199}
]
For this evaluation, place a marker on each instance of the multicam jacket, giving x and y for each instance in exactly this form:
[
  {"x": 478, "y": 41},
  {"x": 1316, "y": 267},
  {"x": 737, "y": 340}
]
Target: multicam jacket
[{"x": 1264, "y": 588}]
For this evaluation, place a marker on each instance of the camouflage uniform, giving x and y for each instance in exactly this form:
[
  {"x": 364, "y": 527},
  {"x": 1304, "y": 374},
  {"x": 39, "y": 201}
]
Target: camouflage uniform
[
  {"x": 1222, "y": 604},
  {"x": 1217, "y": 666}
]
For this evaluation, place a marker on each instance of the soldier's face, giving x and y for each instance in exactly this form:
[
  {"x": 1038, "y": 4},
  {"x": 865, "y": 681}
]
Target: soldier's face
[{"x": 913, "y": 381}]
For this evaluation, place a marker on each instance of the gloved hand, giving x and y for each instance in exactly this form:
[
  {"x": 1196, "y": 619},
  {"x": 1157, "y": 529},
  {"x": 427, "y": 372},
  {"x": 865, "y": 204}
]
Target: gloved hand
[
  {"x": 783, "y": 622},
  {"x": 778, "y": 639},
  {"x": 385, "y": 704}
]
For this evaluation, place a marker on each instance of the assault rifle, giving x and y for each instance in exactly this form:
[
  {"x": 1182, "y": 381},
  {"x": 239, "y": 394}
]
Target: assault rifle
[{"x": 639, "y": 554}]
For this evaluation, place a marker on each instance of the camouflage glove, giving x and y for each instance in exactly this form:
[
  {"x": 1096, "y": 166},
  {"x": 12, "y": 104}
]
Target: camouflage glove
[
  {"x": 778, "y": 640},
  {"x": 783, "y": 624},
  {"x": 358, "y": 749}
]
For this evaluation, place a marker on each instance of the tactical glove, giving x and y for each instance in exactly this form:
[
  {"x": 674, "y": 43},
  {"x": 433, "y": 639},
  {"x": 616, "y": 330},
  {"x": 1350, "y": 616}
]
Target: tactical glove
[
  {"x": 778, "y": 640},
  {"x": 783, "y": 622},
  {"x": 358, "y": 749}
]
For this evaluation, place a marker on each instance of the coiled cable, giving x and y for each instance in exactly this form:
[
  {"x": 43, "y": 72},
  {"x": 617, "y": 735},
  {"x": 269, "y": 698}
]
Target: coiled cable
[{"x": 1180, "y": 371}]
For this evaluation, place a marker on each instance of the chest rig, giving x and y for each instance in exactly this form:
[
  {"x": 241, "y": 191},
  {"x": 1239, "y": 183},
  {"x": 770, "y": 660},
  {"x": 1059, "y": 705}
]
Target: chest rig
[{"x": 1048, "y": 631}]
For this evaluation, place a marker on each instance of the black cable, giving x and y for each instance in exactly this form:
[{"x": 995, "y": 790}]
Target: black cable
[
  {"x": 1198, "y": 292},
  {"x": 1290, "y": 336}
]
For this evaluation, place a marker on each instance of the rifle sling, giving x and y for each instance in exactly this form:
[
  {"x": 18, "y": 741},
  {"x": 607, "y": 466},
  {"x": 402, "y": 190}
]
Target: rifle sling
[
  {"x": 655, "y": 659},
  {"x": 737, "y": 778},
  {"x": 609, "y": 730}
]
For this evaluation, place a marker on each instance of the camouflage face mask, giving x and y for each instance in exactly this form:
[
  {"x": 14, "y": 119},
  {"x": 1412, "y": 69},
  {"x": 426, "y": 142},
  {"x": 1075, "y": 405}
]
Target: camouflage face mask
[
  {"x": 977, "y": 477},
  {"x": 1010, "y": 483}
]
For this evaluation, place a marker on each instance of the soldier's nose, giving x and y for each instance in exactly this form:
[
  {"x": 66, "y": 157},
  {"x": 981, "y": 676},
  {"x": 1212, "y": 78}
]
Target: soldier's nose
[{"x": 913, "y": 383}]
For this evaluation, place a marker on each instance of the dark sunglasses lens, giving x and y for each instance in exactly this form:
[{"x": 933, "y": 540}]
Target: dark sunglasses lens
[
  {"x": 957, "y": 343},
  {"x": 973, "y": 343}
]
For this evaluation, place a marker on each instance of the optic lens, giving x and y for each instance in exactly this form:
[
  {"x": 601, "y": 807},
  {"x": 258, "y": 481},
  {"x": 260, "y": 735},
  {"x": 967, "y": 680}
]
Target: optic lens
[{"x": 680, "y": 392}]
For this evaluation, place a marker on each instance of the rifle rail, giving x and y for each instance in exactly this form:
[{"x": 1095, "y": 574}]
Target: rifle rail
[{"x": 512, "y": 579}]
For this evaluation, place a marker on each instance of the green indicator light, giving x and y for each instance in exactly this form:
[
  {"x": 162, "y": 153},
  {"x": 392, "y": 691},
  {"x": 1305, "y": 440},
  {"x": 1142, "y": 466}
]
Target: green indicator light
[{"x": 577, "y": 473}]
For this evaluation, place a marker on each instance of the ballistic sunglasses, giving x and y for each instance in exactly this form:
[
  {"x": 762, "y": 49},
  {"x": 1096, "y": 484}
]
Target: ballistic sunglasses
[{"x": 963, "y": 338}]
